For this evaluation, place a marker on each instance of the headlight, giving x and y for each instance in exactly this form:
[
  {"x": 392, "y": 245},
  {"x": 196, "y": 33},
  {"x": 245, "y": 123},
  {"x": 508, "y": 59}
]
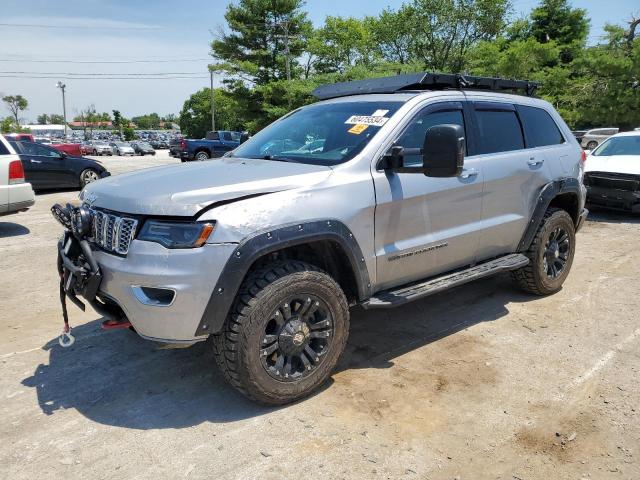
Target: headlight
[{"x": 176, "y": 235}]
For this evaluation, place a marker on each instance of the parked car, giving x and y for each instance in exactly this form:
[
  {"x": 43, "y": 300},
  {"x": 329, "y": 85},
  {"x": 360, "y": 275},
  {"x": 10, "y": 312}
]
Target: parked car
[
  {"x": 612, "y": 173},
  {"x": 215, "y": 146},
  {"x": 159, "y": 144},
  {"x": 592, "y": 138},
  {"x": 122, "y": 148},
  {"x": 175, "y": 147},
  {"x": 97, "y": 147},
  {"x": 413, "y": 192},
  {"x": 16, "y": 195},
  {"x": 142, "y": 148},
  {"x": 20, "y": 137},
  {"x": 43, "y": 140},
  {"x": 73, "y": 149},
  {"x": 45, "y": 167}
]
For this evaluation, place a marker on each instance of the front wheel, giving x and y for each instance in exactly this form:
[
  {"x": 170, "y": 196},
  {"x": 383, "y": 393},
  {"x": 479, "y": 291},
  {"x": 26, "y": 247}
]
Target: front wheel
[
  {"x": 550, "y": 254},
  {"x": 87, "y": 176},
  {"x": 285, "y": 333}
]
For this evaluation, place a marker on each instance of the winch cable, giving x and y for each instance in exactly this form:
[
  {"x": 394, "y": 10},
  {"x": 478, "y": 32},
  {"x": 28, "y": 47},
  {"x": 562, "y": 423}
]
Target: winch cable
[{"x": 65, "y": 339}]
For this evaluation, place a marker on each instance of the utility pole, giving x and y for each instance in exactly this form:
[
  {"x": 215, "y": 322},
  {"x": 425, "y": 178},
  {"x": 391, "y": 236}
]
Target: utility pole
[
  {"x": 213, "y": 102},
  {"x": 62, "y": 86}
]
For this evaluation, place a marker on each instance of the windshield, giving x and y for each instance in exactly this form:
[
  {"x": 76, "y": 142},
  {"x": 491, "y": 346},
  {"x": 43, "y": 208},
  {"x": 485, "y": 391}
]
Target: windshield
[
  {"x": 323, "y": 134},
  {"x": 619, "y": 146},
  {"x": 144, "y": 145}
]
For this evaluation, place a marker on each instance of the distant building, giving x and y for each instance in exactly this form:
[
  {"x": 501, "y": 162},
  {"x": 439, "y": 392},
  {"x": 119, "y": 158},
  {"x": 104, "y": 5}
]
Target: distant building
[{"x": 40, "y": 130}]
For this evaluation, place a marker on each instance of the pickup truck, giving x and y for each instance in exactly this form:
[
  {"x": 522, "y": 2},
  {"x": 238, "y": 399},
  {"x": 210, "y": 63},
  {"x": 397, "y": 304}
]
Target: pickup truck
[{"x": 215, "y": 145}]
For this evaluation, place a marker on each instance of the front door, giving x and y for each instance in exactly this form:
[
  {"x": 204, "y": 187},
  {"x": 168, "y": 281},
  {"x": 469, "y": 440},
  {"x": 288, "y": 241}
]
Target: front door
[{"x": 425, "y": 226}]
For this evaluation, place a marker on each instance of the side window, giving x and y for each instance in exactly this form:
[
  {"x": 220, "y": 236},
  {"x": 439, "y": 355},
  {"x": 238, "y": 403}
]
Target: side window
[
  {"x": 226, "y": 136},
  {"x": 499, "y": 131},
  {"x": 45, "y": 152},
  {"x": 539, "y": 127},
  {"x": 4, "y": 150},
  {"x": 413, "y": 136}
]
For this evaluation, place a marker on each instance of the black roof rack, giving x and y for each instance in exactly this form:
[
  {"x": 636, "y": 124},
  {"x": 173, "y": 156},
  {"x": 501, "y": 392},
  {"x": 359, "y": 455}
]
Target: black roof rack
[{"x": 423, "y": 81}]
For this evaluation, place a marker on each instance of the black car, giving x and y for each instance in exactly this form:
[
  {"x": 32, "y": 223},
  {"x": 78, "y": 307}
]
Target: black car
[
  {"x": 45, "y": 167},
  {"x": 159, "y": 144},
  {"x": 143, "y": 148}
]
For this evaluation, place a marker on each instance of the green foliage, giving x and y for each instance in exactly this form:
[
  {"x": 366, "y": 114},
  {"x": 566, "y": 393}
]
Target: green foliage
[
  {"x": 50, "y": 119},
  {"x": 128, "y": 133},
  {"x": 15, "y": 104},
  {"x": 8, "y": 125},
  {"x": 589, "y": 85},
  {"x": 253, "y": 49},
  {"x": 147, "y": 122},
  {"x": 195, "y": 117}
]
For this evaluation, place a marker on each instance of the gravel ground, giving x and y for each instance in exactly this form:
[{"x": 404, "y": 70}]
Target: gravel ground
[{"x": 479, "y": 382}]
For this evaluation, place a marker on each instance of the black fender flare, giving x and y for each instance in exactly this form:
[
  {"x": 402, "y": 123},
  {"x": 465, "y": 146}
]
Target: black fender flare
[
  {"x": 272, "y": 240},
  {"x": 550, "y": 191}
]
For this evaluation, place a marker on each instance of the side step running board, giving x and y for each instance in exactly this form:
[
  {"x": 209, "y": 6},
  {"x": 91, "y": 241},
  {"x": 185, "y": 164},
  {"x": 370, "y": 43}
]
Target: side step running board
[{"x": 402, "y": 295}]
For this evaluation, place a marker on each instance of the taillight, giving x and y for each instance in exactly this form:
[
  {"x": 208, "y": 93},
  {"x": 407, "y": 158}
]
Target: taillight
[
  {"x": 16, "y": 172},
  {"x": 183, "y": 144},
  {"x": 584, "y": 156}
]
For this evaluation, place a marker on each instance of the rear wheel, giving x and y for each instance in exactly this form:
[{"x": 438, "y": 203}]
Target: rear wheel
[
  {"x": 285, "y": 334},
  {"x": 87, "y": 176},
  {"x": 550, "y": 254},
  {"x": 202, "y": 156}
]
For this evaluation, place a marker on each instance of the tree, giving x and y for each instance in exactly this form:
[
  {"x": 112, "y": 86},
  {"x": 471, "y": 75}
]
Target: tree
[
  {"x": 555, "y": 21},
  {"x": 195, "y": 117},
  {"x": 43, "y": 119},
  {"x": 341, "y": 44},
  {"x": 147, "y": 122},
  {"x": 391, "y": 35},
  {"x": 261, "y": 32},
  {"x": 15, "y": 104},
  {"x": 443, "y": 31},
  {"x": 50, "y": 119}
]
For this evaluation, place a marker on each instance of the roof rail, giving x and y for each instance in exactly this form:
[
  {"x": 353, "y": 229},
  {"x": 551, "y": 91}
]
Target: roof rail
[{"x": 423, "y": 81}]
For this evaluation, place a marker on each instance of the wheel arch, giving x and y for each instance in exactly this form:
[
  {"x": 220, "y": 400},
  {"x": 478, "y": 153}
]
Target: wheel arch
[
  {"x": 202, "y": 149},
  {"x": 327, "y": 244},
  {"x": 564, "y": 194}
]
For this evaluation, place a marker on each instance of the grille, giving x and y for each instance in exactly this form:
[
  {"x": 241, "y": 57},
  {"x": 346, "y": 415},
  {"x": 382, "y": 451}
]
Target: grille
[
  {"x": 615, "y": 181},
  {"x": 112, "y": 232}
]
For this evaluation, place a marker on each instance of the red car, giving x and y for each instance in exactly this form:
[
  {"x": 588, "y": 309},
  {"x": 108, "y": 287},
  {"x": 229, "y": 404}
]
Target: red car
[{"x": 72, "y": 149}]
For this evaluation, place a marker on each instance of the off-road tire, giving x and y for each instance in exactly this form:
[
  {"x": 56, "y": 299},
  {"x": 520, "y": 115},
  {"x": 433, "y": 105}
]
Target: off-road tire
[
  {"x": 533, "y": 278},
  {"x": 237, "y": 347}
]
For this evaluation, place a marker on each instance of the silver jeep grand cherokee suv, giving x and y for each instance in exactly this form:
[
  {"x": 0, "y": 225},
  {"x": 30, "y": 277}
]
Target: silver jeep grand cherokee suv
[{"x": 387, "y": 191}]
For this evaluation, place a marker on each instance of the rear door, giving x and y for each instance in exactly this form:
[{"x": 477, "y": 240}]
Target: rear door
[
  {"x": 513, "y": 177},
  {"x": 423, "y": 225}
]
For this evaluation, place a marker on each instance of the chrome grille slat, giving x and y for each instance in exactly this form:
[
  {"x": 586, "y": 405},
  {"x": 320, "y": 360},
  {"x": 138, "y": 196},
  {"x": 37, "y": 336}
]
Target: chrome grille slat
[{"x": 112, "y": 232}]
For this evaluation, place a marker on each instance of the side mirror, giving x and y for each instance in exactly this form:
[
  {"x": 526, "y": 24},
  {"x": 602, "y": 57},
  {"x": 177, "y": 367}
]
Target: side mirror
[{"x": 443, "y": 151}]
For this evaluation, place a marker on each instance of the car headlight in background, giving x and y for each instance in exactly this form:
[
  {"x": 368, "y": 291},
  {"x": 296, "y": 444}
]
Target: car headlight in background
[{"x": 176, "y": 234}]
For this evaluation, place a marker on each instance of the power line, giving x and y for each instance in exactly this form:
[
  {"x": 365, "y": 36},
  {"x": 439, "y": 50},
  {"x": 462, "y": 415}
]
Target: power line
[
  {"x": 103, "y": 78},
  {"x": 81, "y": 27},
  {"x": 71, "y": 74},
  {"x": 104, "y": 61}
]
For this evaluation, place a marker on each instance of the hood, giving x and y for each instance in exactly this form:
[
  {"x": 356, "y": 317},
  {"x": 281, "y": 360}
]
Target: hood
[
  {"x": 628, "y": 164},
  {"x": 185, "y": 189}
]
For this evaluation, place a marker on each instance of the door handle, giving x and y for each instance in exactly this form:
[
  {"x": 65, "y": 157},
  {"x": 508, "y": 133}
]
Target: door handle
[
  {"x": 469, "y": 173},
  {"x": 534, "y": 162},
  {"x": 35, "y": 161}
]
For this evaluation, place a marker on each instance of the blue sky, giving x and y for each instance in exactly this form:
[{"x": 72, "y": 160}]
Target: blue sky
[{"x": 171, "y": 31}]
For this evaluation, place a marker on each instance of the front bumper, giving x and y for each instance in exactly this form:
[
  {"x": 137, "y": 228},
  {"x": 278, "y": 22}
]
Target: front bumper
[
  {"x": 190, "y": 273},
  {"x": 613, "y": 191}
]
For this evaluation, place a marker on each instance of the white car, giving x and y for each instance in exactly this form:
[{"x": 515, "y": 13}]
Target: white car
[
  {"x": 612, "y": 173},
  {"x": 15, "y": 194},
  {"x": 596, "y": 136},
  {"x": 122, "y": 148}
]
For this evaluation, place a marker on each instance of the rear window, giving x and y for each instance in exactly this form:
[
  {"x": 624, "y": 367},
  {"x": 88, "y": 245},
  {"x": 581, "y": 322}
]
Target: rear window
[
  {"x": 499, "y": 131},
  {"x": 539, "y": 127}
]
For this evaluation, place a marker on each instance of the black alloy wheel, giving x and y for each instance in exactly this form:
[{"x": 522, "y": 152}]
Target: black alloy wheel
[
  {"x": 296, "y": 338},
  {"x": 556, "y": 252}
]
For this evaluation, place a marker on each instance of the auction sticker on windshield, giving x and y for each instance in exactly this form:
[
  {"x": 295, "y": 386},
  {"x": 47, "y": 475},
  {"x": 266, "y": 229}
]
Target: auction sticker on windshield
[
  {"x": 366, "y": 120},
  {"x": 358, "y": 129}
]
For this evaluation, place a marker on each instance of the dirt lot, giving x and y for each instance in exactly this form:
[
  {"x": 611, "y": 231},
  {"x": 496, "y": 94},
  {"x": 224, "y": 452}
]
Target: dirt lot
[{"x": 479, "y": 382}]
